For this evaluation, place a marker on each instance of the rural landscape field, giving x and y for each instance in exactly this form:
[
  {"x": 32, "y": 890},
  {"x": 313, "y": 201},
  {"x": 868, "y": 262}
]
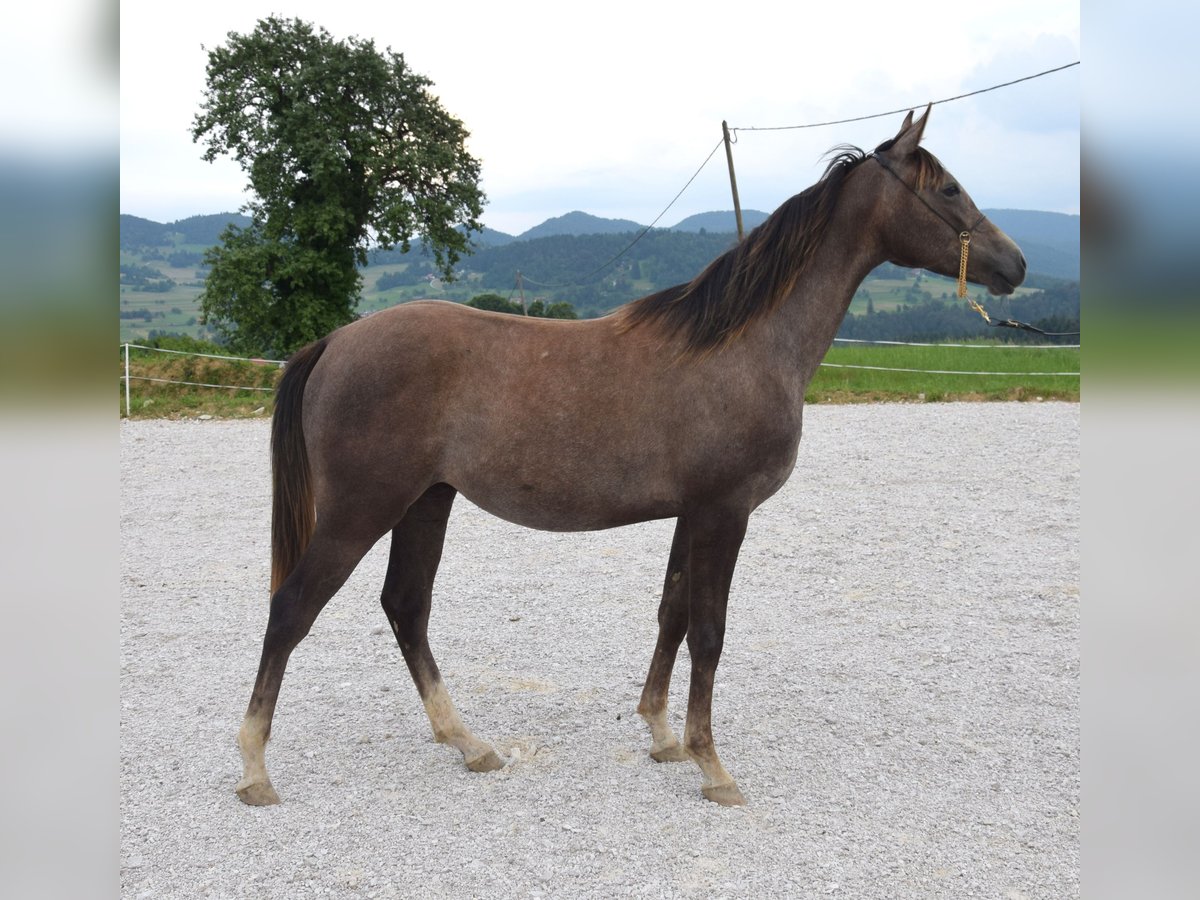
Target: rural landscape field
[
  {"x": 163, "y": 271},
  {"x": 690, "y": 654}
]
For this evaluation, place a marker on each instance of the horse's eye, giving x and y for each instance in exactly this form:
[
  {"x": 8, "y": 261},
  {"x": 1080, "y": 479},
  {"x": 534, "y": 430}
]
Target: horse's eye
[{"x": 950, "y": 190}]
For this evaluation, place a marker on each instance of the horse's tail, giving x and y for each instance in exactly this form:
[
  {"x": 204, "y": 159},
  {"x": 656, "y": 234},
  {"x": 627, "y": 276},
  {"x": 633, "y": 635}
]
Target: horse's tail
[{"x": 293, "y": 513}]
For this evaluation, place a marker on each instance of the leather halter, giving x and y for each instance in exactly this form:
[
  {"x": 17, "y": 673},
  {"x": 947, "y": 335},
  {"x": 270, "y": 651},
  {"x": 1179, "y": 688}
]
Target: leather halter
[
  {"x": 964, "y": 237},
  {"x": 888, "y": 168}
]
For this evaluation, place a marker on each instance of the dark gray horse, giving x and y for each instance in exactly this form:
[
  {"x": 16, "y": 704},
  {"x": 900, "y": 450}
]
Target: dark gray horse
[{"x": 684, "y": 404}]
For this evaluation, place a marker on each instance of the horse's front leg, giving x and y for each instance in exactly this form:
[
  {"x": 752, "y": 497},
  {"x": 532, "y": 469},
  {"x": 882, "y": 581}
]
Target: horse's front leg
[{"x": 716, "y": 538}]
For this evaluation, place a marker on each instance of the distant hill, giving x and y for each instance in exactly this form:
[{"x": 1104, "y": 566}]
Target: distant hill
[
  {"x": 724, "y": 222},
  {"x": 579, "y": 223},
  {"x": 1057, "y": 230},
  {"x": 490, "y": 237},
  {"x": 207, "y": 229},
  {"x": 1050, "y": 241},
  {"x": 137, "y": 232},
  {"x": 595, "y": 270}
]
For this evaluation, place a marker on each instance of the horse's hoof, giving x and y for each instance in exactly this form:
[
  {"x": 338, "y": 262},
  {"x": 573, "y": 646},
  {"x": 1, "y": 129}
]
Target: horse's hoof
[
  {"x": 485, "y": 762},
  {"x": 672, "y": 753},
  {"x": 257, "y": 793},
  {"x": 724, "y": 794}
]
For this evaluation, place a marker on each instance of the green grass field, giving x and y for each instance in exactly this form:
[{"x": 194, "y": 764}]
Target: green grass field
[
  {"x": 157, "y": 389},
  {"x": 887, "y": 294},
  {"x": 176, "y": 310},
  {"x": 939, "y": 378}
]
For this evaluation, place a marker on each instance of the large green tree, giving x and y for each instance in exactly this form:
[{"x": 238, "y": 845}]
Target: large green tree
[{"x": 345, "y": 149}]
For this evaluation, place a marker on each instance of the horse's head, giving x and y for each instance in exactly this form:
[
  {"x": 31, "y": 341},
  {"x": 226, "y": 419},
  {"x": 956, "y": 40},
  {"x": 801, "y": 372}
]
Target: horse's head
[{"x": 927, "y": 215}]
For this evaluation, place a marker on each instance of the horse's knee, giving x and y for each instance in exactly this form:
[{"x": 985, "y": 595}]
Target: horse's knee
[{"x": 705, "y": 640}]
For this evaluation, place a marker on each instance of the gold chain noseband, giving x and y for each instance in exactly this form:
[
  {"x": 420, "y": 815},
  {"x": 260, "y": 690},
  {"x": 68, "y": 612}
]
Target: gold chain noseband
[{"x": 964, "y": 238}]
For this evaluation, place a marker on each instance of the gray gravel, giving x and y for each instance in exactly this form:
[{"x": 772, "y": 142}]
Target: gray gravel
[{"x": 898, "y": 697}]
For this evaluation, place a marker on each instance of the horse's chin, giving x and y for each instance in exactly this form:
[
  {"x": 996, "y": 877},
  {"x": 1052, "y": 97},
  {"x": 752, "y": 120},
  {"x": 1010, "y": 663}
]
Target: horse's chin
[{"x": 999, "y": 286}]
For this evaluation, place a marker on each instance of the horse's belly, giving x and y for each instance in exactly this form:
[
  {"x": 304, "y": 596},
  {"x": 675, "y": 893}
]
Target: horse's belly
[{"x": 553, "y": 508}]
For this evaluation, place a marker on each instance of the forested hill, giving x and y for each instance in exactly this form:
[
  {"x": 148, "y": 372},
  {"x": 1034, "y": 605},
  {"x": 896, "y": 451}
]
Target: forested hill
[
  {"x": 597, "y": 271},
  {"x": 204, "y": 231},
  {"x": 724, "y": 221},
  {"x": 579, "y": 223},
  {"x": 593, "y": 263},
  {"x": 1050, "y": 241},
  {"x": 162, "y": 266}
]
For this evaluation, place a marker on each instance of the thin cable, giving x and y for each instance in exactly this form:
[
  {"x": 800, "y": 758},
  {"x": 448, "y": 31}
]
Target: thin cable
[
  {"x": 733, "y": 134},
  {"x": 963, "y": 346},
  {"x": 230, "y": 387},
  {"x": 640, "y": 234},
  {"x": 943, "y": 371},
  {"x": 902, "y": 109},
  {"x": 204, "y": 355}
]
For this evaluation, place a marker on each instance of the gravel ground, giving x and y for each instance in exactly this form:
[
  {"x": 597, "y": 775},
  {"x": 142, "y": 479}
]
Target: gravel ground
[{"x": 898, "y": 697}]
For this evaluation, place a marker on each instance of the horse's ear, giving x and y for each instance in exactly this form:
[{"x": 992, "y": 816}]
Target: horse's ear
[{"x": 909, "y": 135}]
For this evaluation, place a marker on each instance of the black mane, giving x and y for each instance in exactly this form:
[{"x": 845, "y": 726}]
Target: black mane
[{"x": 750, "y": 280}]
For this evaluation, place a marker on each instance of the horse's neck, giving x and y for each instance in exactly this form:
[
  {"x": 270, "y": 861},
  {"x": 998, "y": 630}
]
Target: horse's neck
[{"x": 804, "y": 326}]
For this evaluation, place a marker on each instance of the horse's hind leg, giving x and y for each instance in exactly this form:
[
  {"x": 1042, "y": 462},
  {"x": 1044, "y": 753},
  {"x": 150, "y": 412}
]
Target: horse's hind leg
[
  {"x": 330, "y": 558},
  {"x": 407, "y": 596},
  {"x": 672, "y": 626}
]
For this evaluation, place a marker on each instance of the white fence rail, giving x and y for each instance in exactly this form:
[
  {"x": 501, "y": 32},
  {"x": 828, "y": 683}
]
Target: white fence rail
[{"x": 127, "y": 378}]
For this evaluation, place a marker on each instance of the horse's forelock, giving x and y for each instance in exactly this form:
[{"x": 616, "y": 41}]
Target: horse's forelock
[{"x": 929, "y": 170}]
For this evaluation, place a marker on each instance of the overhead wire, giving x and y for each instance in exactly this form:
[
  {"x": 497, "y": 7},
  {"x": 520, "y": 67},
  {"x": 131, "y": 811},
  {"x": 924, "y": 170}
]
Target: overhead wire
[
  {"x": 893, "y": 112},
  {"x": 640, "y": 234},
  {"x": 733, "y": 134}
]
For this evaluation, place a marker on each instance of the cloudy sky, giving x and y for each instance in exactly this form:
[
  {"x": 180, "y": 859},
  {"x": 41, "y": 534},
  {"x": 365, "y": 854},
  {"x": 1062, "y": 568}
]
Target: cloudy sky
[{"x": 610, "y": 108}]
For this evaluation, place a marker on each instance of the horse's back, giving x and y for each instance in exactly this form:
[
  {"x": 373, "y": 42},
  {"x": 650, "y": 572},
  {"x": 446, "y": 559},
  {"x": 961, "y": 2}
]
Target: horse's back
[
  {"x": 428, "y": 347},
  {"x": 515, "y": 412},
  {"x": 560, "y": 425}
]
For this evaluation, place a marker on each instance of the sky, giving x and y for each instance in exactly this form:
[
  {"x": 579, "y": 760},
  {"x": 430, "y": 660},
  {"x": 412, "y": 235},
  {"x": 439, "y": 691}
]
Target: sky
[{"x": 612, "y": 108}]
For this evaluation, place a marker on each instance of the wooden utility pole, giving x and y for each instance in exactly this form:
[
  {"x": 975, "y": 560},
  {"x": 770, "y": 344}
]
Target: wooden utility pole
[
  {"x": 737, "y": 205},
  {"x": 521, "y": 288}
]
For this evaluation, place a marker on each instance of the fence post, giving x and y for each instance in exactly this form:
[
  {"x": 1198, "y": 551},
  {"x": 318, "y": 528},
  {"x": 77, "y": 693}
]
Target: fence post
[{"x": 127, "y": 380}]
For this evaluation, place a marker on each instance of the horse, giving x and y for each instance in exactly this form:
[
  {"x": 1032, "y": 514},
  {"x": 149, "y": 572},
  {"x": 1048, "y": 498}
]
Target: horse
[{"x": 685, "y": 404}]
